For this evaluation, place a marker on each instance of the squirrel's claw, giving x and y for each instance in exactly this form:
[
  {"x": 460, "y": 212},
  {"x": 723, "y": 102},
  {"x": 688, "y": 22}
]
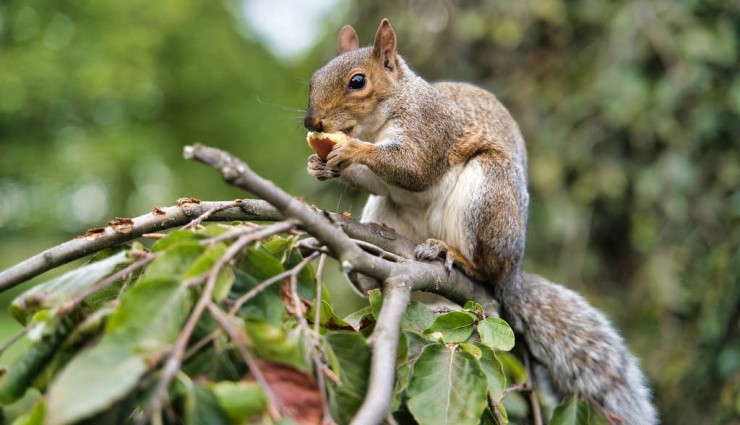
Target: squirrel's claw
[
  {"x": 433, "y": 249},
  {"x": 317, "y": 167},
  {"x": 336, "y": 161},
  {"x": 346, "y": 153}
]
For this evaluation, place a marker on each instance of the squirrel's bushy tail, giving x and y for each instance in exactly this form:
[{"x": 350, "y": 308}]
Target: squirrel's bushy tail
[{"x": 577, "y": 346}]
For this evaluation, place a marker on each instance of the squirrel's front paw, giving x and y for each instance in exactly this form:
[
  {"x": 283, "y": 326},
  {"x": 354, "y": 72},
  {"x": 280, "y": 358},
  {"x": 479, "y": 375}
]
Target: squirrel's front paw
[
  {"x": 346, "y": 153},
  {"x": 317, "y": 168}
]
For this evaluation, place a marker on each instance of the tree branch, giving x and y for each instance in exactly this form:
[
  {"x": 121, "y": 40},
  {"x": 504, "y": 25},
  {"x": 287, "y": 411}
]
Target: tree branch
[
  {"x": 234, "y": 171},
  {"x": 396, "y": 296},
  {"x": 124, "y": 230}
]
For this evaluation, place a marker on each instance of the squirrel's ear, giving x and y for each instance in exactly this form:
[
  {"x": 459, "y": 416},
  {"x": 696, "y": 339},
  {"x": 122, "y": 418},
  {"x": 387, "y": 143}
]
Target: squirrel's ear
[
  {"x": 347, "y": 39},
  {"x": 384, "y": 48}
]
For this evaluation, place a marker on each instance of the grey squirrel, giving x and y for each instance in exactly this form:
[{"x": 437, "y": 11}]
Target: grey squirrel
[{"x": 445, "y": 165}]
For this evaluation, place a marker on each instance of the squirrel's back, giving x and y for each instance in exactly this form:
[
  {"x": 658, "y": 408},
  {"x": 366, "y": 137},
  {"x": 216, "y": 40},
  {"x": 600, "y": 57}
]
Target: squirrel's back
[{"x": 485, "y": 118}]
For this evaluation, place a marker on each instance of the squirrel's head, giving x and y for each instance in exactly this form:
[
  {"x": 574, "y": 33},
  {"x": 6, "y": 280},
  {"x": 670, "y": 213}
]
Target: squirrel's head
[{"x": 348, "y": 93}]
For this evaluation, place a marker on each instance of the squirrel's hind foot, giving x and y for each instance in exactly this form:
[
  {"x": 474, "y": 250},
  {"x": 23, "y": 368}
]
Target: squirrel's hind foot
[{"x": 433, "y": 249}]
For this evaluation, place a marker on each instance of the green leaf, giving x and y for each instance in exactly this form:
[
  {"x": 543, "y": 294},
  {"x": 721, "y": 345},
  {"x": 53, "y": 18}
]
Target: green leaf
[
  {"x": 306, "y": 277},
  {"x": 577, "y": 411},
  {"x": 35, "y": 416},
  {"x": 148, "y": 319},
  {"x": 213, "y": 230},
  {"x": 494, "y": 371},
  {"x": 328, "y": 318},
  {"x": 448, "y": 387},
  {"x": 205, "y": 261},
  {"x": 376, "y": 301},
  {"x": 456, "y": 326},
  {"x": 202, "y": 407},
  {"x": 474, "y": 308},
  {"x": 174, "y": 261},
  {"x": 351, "y": 363},
  {"x": 55, "y": 292},
  {"x": 203, "y": 265},
  {"x": 418, "y": 316},
  {"x": 151, "y": 313},
  {"x": 472, "y": 349},
  {"x": 275, "y": 344},
  {"x": 357, "y": 318},
  {"x": 261, "y": 264},
  {"x": 496, "y": 333},
  {"x": 240, "y": 400},
  {"x": 175, "y": 238},
  {"x": 266, "y": 306},
  {"x": 103, "y": 297},
  {"x": 16, "y": 380},
  {"x": 109, "y": 371},
  {"x": 277, "y": 246},
  {"x": 513, "y": 366},
  {"x": 567, "y": 412},
  {"x": 403, "y": 372},
  {"x": 487, "y": 417},
  {"x": 416, "y": 345}
]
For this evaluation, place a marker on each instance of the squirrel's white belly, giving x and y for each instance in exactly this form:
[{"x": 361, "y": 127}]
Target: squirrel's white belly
[{"x": 440, "y": 212}]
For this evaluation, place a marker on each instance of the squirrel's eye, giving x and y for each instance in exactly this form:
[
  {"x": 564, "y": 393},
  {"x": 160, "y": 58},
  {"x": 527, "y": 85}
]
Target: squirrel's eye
[{"x": 357, "y": 82}]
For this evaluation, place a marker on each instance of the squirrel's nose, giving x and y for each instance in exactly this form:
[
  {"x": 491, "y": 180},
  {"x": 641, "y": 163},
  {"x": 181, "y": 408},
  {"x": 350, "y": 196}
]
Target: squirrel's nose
[{"x": 311, "y": 123}]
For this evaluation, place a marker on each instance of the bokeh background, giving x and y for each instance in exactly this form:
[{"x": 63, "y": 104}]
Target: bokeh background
[{"x": 631, "y": 112}]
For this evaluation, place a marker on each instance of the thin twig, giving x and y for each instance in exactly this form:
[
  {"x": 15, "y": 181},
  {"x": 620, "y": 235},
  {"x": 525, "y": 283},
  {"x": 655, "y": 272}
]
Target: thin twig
[
  {"x": 533, "y": 400},
  {"x": 201, "y": 343},
  {"x": 319, "y": 277},
  {"x": 311, "y": 244},
  {"x": 238, "y": 340},
  {"x": 266, "y": 283},
  {"x": 378, "y": 252},
  {"x": 500, "y": 419},
  {"x": 178, "y": 349},
  {"x": 311, "y": 338},
  {"x": 521, "y": 387},
  {"x": 115, "y": 277},
  {"x": 316, "y": 330},
  {"x": 612, "y": 418},
  {"x": 210, "y": 212},
  {"x": 242, "y": 230},
  {"x": 13, "y": 340}
]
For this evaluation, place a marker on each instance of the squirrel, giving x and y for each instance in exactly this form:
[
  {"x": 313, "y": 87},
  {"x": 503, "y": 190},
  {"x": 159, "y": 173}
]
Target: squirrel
[{"x": 445, "y": 165}]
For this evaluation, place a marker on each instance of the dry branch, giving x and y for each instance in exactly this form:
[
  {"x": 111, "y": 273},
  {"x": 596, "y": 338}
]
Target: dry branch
[{"x": 124, "y": 230}]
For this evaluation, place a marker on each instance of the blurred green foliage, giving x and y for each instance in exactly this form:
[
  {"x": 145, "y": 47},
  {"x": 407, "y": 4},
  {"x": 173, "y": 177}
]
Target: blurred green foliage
[{"x": 631, "y": 112}]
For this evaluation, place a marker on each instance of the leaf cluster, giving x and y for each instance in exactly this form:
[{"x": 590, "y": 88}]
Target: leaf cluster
[{"x": 104, "y": 334}]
